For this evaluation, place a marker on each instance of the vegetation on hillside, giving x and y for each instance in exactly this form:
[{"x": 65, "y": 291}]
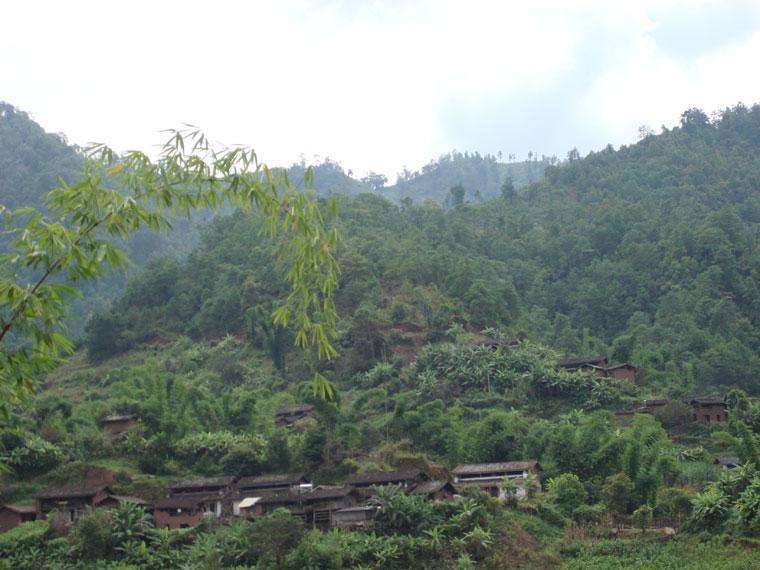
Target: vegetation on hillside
[{"x": 647, "y": 254}]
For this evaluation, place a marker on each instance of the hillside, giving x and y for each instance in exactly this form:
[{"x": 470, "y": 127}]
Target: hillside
[
  {"x": 614, "y": 253},
  {"x": 452, "y": 321}
]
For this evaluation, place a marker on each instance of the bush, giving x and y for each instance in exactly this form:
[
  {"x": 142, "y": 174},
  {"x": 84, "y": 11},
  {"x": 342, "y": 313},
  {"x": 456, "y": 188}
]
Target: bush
[
  {"x": 34, "y": 458},
  {"x": 617, "y": 492},
  {"x": 589, "y": 514},
  {"x": 642, "y": 517},
  {"x": 568, "y": 492}
]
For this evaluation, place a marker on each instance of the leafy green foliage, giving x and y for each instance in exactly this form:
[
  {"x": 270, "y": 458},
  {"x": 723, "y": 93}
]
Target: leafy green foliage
[{"x": 71, "y": 241}]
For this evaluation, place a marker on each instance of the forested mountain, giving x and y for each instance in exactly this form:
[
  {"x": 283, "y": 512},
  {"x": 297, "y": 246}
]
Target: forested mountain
[
  {"x": 481, "y": 177},
  {"x": 31, "y": 160},
  {"x": 648, "y": 253}
]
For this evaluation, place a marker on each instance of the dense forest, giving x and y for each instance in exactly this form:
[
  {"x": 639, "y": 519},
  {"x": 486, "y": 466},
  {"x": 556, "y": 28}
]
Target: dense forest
[{"x": 461, "y": 288}]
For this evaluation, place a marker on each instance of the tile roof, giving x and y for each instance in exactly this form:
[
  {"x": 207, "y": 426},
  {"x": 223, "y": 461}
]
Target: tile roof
[
  {"x": 326, "y": 492},
  {"x": 706, "y": 400},
  {"x": 118, "y": 418},
  {"x": 380, "y": 477},
  {"x": 569, "y": 362},
  {"x": 430, "y": 487},
  {"x": 475, "y": 468},
  {"x": 727, "y": 460},
  {"x": 254, "y": 481},
  {"x": 295, "y": 409},
  {"x": 200, "y": 483},
  {"x": 189, "y": 503},
  {"x": 71, "y": 492},
  {"x": 20, "y": 509}
]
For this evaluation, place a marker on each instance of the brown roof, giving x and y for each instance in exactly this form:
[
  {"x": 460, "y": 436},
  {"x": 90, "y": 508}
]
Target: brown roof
[
  {"x": 621, "y": 365},
  {"x": 380, "y": 477},
  {"x": 255, "y": 481},
  {"x": 189, "y": 503},
  {"x": 707, "y": 400},
  {"x": 590, "y": 360},
  {"x": 20, "y": 509},
  {"x": 127, "y": 499},
  {"x": 295, "y": 409},
  {"x": 727, "y": 460},
  {"x": 225, "y": 481},
  {"x": 475, "y": 468},
  {"x": 326, "y": 492},
  {"x": 71, "y": 492},
  {"x": 118, "y": 418},
  {"x": 287, "y": 497},
  {"x": 430, "y": 487}
]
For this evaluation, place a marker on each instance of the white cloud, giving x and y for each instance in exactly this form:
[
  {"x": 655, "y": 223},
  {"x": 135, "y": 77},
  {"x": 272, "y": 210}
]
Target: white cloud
[{"x": 376, "y": 85}]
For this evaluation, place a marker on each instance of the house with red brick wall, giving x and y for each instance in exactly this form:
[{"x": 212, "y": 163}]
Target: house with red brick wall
[
  {"x": 13, "y": 515},
  {"x": 709, "y": 409}
]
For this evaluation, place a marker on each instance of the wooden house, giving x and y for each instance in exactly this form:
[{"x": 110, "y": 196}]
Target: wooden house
[
  {"x": 435, "y": 490},
  {"x": 250, "y": 488},
  {"x": 185, "y": 511},
  {"x": 353, "y": 518},
  {"x": 599, "y": 366},
  {"x": 404, "y": 478},
  {"x": 646, "y": 407},
  {"x": 116, "y": 425},
  {"x": 71, "y": 500},
  {"x": 208, "y": 486},
  {"x": 595, "y": 364},
  {"x": 288, "y": 417},
  {"x": 268, "y": 502},
  {"x": 709, "y": 409},
  {"x": 622, "y": 371},
  {"x": 727, "y": 461},
  {"x": 316, "y": 506},
  {"x": 323, "y": 502},
  {"x": 490, "y": 477},
  {"x": 13, "y": 515},
  {"x": 276, "y": 482}
]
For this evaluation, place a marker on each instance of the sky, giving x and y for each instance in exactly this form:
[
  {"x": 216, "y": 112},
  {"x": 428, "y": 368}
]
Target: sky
[{"x": 376, "y": 85}]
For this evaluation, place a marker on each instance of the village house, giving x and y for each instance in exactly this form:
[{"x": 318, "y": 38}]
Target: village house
[
  {"x": 288, "y": 417},
  {"x": 599, "y": 366},
  {"x": 622, "y": 371},
  {"x": 435, "y": 490},
  {"x": 210, "y": 485},
  {"x": 213, "y": 494},
  {"x": 353, "y": 518},
  {"x": 727, "y": 461},
  {"x": 278, "y": 482},
  {"x": 709, "y": 409},
  {"x": 490, "y": 477},
  {"x": 647, "y": 407},
  {"x": 316, "y": 506},
  {"x": 323, "y": 502},
  {"x": 286, "y": 499},
  {"x": 13, "y": 515},
  {"x": 116, "y": 425},
  {"x": 404, "y": 478},
  {"x": 595, "y": 364},
  {"x": 185, "y": 511},
  {"x": 249, "y": 489},
  {"x": 70, "y": 500}
]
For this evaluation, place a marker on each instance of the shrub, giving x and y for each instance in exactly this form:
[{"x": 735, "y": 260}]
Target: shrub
[
  {"x": 567, "y": 492},
  {"x": 642, "y": 517},
  {"x": 35, "y": 457},
  {"x": 617, "y": 491}
]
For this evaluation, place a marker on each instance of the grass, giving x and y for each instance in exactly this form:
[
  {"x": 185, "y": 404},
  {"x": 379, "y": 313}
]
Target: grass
[{"x": 677, "y": 554}]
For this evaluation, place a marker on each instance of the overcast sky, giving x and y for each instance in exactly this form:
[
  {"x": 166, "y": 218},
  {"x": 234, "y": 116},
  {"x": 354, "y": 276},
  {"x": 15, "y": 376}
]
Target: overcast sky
[{"x": 377, "y": 85}]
